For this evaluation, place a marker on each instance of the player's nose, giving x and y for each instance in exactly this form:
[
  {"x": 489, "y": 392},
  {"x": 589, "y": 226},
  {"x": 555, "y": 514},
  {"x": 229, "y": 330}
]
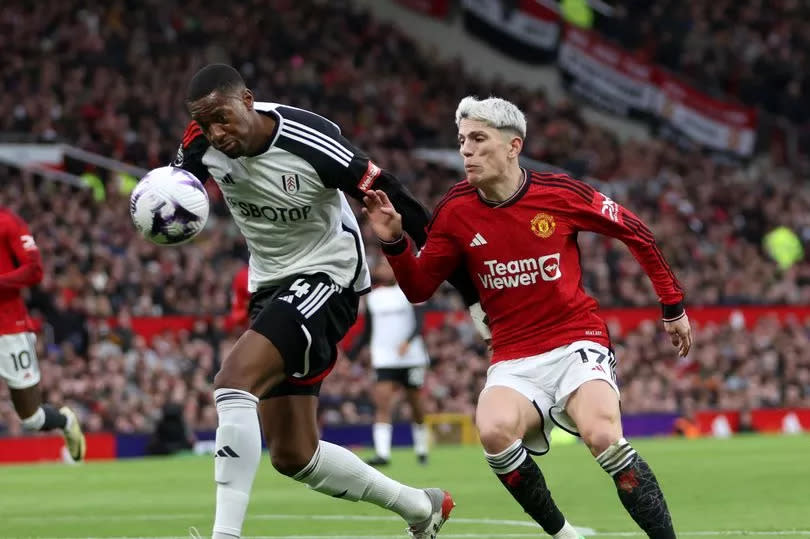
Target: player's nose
[{"x": 217, "y": 133}]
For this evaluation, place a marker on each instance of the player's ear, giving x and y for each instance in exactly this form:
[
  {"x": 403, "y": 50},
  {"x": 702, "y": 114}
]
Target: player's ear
[
  {"x": 515, "y": 147},
  {"x": 247, "y": 98}
]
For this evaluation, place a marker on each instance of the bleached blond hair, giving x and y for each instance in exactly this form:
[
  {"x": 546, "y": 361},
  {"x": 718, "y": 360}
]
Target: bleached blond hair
[{"x": 494, "y": 111}]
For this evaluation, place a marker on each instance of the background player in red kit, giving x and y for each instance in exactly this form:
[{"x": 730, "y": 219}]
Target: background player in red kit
[
  {"x": 240, "y": 299},
  {"x": 21, "y": 267},
  {"x": 515, "y": 231}
]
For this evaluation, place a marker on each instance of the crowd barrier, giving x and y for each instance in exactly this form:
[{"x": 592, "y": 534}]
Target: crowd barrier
[{"x": 620, "y": 320}]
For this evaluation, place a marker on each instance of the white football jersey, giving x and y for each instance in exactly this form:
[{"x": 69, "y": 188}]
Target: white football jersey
[
  {"x": 393, "y": 321},
  {"x": 285, "y": 200}
]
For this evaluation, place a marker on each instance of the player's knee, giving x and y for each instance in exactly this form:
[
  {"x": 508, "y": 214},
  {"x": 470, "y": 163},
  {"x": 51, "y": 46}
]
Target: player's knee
[
  {"x": 600, "y": 436},
  {"x": 225, "y": 379},
  {"x": 497, "y": 433},
  {"x": 289, "y": 461},
  {"x": 230, "y": 376}
]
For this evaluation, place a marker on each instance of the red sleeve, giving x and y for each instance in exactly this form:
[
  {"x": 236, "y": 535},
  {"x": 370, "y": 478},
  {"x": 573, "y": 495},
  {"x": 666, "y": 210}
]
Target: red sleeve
[
  {"x": 596, "y": 212},
  {"x": 420, "y": 275},
  {"x": 18, "y": 239}
]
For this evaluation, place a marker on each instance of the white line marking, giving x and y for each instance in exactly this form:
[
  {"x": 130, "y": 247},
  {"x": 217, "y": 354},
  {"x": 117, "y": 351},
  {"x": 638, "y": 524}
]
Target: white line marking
[
  {"x": 371, "y": 518},
  {"x": 475, "y": 535}
]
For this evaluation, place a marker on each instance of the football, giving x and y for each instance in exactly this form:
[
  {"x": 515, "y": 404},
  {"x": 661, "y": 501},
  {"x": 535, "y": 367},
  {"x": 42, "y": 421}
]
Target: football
[{"x": 169, "y": 206}]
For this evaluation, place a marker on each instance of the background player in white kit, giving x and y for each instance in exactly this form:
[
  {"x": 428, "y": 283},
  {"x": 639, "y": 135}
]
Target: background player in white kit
[
  {"x": 283, "y": 172},
  {"x": 393, "y": 328},
  {"x": 21, "y": 267}
]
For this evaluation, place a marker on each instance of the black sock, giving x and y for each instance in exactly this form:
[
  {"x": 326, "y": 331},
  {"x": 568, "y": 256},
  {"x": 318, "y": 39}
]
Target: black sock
[
  {"x": 525, "y": 482},
  {"x": 638, "y": 489},
  {"x": 53, "y": 419}
]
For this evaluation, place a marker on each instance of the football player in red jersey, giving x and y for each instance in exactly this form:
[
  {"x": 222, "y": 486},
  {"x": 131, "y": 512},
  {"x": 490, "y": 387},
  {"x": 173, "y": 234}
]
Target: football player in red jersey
[
  {"x": 515, "y": 231},
  {"x": 21, "y": 267}
]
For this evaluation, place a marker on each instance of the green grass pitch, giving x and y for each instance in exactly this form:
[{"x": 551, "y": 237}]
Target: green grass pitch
[{"x": 740, "y": 487}]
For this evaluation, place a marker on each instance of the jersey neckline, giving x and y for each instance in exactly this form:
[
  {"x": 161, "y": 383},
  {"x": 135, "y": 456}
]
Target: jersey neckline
[{"x": 517, "y": 195}]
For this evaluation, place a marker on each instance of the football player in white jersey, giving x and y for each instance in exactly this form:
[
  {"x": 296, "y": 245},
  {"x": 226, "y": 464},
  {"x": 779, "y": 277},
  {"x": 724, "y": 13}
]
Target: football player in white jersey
[
  {"x": 393, "y": 329},
  {"x": 283, "y": 172}
]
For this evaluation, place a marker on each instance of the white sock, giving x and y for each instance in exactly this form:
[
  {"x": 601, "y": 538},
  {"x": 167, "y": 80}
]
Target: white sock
[
  {"x": 381, "y": 433},
  {"x": 567, "y": 532},
  {"x": 34, "y": 422},
  {"x": 420, "y": 438},
  {"x": 236, "y": 458},
  {"x": 338, "y": 472}
]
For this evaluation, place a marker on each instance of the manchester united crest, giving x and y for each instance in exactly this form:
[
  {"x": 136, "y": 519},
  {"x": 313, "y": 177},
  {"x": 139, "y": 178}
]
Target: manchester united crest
[{"x": 543, "y": 225}]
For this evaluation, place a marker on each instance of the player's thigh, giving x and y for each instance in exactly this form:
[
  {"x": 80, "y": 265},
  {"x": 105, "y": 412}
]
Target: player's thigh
[
  {"x": 254, "y": 364},
  {"x": 413, "y": 383},
  {"x": 384, "y": 392},
  {"x": 414, "y": 397},
  {"x": 504, "y": 415},
  {"x": 290, "y": 429},
  {"x": 594, "y": 409}
]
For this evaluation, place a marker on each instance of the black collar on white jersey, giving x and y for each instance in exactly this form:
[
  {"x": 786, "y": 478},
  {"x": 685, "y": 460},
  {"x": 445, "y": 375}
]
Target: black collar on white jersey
[{"x": 517, "y": 195}]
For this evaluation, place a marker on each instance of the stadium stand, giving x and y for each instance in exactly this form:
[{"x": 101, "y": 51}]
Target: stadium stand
[{"x": 108, "y": 81}]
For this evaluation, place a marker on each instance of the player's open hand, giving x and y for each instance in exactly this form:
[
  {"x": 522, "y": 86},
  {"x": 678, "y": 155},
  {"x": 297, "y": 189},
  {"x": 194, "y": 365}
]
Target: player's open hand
[
  {"x": 384, "y": 219},
  {"x": 680, "y": 332}
]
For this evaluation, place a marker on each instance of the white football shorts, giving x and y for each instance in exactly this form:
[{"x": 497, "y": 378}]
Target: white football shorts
[
  {"x": 18, "y": 360},
  {"x": 548, "y": 379}
]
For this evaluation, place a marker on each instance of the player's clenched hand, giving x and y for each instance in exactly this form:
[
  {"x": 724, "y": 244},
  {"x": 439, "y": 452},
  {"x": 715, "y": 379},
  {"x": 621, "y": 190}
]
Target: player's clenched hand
[
  {"x": 681, "y": 334},
  {"x": 384, "y": 219}
]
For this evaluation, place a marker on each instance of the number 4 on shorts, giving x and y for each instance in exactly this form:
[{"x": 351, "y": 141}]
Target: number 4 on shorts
[{"x": 300, "y": 287}]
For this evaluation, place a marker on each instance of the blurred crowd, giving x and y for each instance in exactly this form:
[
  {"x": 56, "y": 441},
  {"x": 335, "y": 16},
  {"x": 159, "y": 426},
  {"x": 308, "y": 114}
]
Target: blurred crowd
[
  {"x": 752, "y": 49},
  {"x": 111, "y": 78}
]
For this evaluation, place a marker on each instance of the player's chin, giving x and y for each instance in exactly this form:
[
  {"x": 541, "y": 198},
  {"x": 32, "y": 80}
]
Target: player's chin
[{"x": 474, "y": 177}]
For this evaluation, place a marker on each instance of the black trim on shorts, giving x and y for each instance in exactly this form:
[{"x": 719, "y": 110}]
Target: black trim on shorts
[
  {"x": 542, "y": 432},
  {"x": 557, "y": 423},
  {"x": 358, "y": 247}
]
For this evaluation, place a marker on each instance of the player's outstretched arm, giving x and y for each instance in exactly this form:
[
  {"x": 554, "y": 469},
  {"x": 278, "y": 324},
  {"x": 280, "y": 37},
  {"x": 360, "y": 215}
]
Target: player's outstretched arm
[
  {"x": 419, "y": 277},
  {"x": 597, "y": 212},
  {"x": 591, "y": 210}
]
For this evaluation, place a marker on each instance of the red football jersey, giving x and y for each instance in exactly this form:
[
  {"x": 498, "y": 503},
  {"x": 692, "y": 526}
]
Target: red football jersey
[
  {"x": 20, "y": 267},
  {"x": 523, "y": 257}
]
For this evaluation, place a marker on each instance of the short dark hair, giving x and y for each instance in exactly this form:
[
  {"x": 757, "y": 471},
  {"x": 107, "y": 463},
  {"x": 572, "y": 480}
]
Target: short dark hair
[{"x": 219, "y": 77}]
